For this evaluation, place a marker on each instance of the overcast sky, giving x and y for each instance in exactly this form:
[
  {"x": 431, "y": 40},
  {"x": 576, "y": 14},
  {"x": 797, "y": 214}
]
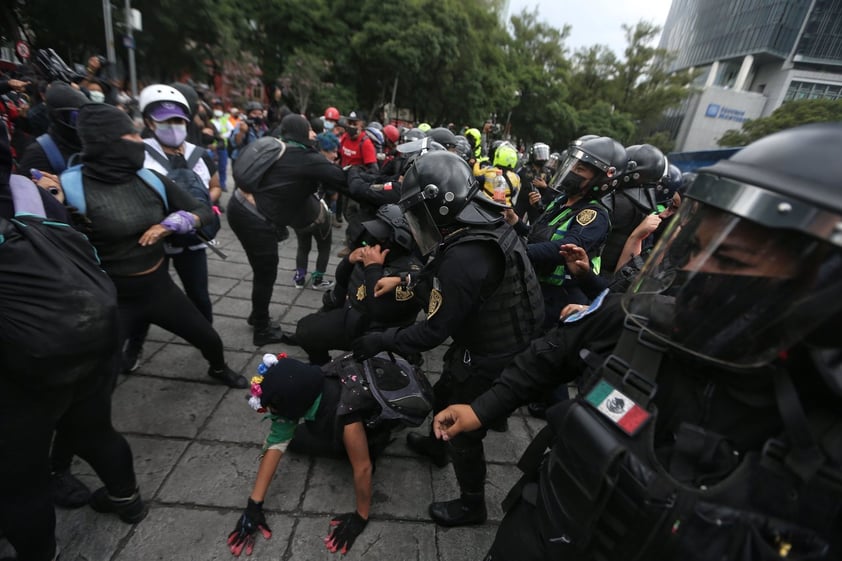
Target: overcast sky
[{"x": 595, "y": 21}]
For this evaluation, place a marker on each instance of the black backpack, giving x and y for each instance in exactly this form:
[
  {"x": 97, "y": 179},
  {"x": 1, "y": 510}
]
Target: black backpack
[
  {"x": 401, "y": 392},
  {"x": 189, "y": 180},
  {"x": 255, "y": 160},
  {"x": 56, "y": 302}
]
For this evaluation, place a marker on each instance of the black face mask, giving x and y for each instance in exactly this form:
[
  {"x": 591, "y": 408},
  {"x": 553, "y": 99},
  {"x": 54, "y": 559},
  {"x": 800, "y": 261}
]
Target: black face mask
[
  {"x": 117, "y": 163},
  {"x": 722, "y": 315},
  {"x": 207, "y": 139},
  {"x": 572, "y": 183},
  {"x": 353, "y": 132}
]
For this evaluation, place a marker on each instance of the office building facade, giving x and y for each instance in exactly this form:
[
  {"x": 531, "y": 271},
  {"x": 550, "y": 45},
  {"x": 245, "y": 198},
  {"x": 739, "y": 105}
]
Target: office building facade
[{"x": 753, "y": 56}]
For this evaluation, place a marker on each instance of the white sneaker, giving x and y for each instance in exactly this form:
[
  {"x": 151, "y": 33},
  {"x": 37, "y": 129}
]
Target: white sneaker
[{"x": 322, "y": 284}]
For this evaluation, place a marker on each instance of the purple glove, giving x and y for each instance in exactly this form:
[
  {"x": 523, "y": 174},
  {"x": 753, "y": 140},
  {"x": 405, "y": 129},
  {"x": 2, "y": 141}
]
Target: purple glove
[{"x": 180, "y": 222}]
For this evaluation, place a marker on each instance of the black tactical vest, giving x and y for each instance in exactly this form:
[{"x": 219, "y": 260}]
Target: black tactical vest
[
  {"x": 513, "y": 314},
  {"x": 603, "y": 494}
]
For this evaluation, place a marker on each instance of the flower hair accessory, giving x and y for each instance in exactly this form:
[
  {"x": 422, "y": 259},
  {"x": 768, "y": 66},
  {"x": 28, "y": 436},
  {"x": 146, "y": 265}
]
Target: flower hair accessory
[{"x": 269, "y": 360}]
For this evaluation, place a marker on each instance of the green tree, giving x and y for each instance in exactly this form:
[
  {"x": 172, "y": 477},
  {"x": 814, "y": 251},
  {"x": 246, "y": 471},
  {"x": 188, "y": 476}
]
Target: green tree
[
  {"x": 593, "y": 76},
  {"x": 644, "y": 89},
  {"x": 788, "y": 115},
  {"x": 540, "y": 70}
]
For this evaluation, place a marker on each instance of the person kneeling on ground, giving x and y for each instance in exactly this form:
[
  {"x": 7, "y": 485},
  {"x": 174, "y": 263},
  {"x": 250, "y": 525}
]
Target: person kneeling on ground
[{"x": 344, "y": 413}]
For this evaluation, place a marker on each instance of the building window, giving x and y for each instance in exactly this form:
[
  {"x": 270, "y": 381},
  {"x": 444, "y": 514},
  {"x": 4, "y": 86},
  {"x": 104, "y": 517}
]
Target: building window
[{"x": 812, "y": 90}]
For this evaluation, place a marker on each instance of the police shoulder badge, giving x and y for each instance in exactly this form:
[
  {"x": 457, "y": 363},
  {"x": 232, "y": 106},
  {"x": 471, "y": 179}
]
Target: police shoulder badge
[
  {"x": 586, "y": 216},
  {"x": 403, "y": 294},
  {"x": 435, "y": 303}
]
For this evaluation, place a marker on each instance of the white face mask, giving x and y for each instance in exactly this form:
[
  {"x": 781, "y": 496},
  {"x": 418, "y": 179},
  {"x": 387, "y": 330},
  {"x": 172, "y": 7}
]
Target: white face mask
[
  {"x": 171, "y": 135},
  {"x": 97, "y": 97},
  {"x": 329, "y": 125},
  {"x": 217, "y": 113}
]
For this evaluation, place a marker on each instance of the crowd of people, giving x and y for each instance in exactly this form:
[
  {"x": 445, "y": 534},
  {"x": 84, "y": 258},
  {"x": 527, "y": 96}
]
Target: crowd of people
[{"x": 677, "y": 331}]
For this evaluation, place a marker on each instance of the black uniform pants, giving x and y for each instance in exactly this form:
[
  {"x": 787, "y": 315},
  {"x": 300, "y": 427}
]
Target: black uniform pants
[
  {"x": 28, "y": 418},
  {"x": 519, "y": 536},
  {"x": 462, "y": 380},
  {"x": 259, "y": 239},
  {"x": 322, "y": 332}
]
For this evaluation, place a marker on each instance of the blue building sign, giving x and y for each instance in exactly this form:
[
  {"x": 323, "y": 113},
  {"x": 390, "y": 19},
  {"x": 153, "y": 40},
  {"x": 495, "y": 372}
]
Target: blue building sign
[{"x": 716, "y": 111}]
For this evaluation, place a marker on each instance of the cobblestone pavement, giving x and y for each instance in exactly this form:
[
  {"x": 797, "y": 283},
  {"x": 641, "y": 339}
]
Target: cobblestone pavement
[{"x": 196, "y": 447}]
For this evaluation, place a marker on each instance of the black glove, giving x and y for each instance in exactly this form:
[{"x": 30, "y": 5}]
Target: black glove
[
  {"x": 367, "y": 345},
  {"x": 249, "y": 523},
  {"x": 346, "y": 528}
]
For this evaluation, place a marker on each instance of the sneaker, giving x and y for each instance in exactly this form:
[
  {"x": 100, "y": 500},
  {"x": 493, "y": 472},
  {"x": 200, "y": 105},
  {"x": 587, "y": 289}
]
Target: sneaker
[
  {"x": 228, "y": 377},
  {"x": 131, "y": 510},
  {"x": 67, "y": 491},
  {"x": 344, "y": 252},
  {"x": 320, "y": 283},
  {"x": 300, "y": 278}
]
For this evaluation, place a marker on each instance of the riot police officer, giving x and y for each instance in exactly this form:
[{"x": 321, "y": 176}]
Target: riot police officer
[
  {"x": 480, "y": 290},
  {"x": 350, "y": 308},
  {"x": 636, "y": 197},
  {"x": 592, "y": 168},
  {"x": 712, "y": 428}
]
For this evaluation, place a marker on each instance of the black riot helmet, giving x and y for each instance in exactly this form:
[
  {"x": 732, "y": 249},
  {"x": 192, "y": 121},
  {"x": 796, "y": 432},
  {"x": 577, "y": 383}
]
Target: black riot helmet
[
  {"x": 440, "y": 193},
  {"x": 390, "y": 228},
  {"x": 647, "y": 165},
  {"x": 670, "y": 184},
  {"x": 603, "y": 155},
  {"x": 753, "y": 262},
  {"x": 539, "y": 153},
  {"x": 463, "y": 147},
  {"x": 443, "y": 136},
  {"x": 412, "y": 134}
]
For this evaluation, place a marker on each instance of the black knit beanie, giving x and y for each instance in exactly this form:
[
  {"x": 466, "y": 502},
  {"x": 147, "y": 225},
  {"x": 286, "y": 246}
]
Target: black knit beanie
[
  {"x": 62, "y": 96},
  {"x": 100, "y": 124},
  {"x": 290, "y": 387},
  {"x": 294, "y": 127}
]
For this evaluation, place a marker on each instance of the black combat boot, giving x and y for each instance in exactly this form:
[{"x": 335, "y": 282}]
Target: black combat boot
[
  {"x": 428, "y": 446},
  {"x": 466, "y": 510}
]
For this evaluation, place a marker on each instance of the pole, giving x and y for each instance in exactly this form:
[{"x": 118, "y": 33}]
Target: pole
[
  {"x": 109, "y": 32},
  {"x": 130, "y": 45}
]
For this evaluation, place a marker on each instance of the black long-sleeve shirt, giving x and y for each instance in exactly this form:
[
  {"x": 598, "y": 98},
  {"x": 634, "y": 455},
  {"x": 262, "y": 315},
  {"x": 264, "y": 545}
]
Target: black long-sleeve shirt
[{"x": 285, "y": 194}]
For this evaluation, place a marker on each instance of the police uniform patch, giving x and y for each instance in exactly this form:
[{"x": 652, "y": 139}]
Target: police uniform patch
[
  {"x": 403, "y": 294},
  {"x": 586, "y": 216},
  {"x": 435, "y": 303},
  {"x": 361, "y": 293}
]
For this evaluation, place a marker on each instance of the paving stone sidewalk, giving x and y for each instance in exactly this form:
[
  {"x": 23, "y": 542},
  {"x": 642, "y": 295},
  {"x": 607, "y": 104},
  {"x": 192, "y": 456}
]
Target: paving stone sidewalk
[{"x": 196, "y": 446}]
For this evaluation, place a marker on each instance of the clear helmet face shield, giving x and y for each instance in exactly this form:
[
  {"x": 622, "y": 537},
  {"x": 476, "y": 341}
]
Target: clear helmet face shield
[
  {"x": 738, "y": 288},
  {"x": 424, "y": 230},
  {"x": 566, "y": 180}
]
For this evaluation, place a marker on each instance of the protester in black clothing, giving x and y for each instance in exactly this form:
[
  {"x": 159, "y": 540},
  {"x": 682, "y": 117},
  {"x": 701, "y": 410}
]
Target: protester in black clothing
[
  {"x": 127, "y": 221},
  {"x": 480, "y": 290},
  {"x": 259, "y": 214},
  {"x": 370, "y": 192},
  {"x": 28, "y": 418},
  {"x": 712, "y": 428},
  {"x": 351, "y": 308},
  {"x": 63, "y": 103}
]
